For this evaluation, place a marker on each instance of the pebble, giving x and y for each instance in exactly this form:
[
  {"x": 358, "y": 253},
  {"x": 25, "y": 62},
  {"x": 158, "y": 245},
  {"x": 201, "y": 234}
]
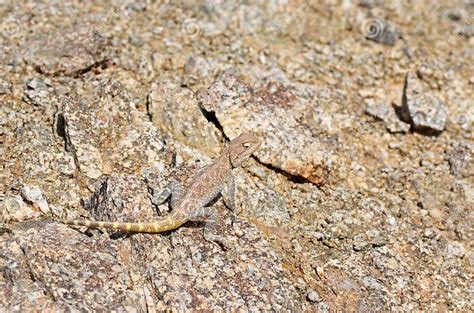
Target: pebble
[
  {"x": 387, "y": 35},
  {"x": 312, "y": 295},
  {"x": 466, "y": 31},
  {"x": 387, "y": 114},
  {"x": 359, "y": 243},
  {"x": 424, "y": 111},
  {"x": 34, "y": 195},
  {"x": 15, "y": 209},
  {"x": 5, "y": 86}
]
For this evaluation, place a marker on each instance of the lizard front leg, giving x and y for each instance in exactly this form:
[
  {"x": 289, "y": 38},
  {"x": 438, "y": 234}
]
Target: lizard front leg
[{"x": 228, "y": 195}]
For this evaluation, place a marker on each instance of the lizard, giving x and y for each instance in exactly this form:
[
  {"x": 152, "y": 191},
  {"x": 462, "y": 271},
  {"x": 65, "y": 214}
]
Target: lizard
[{"x": 190, "y": 204}]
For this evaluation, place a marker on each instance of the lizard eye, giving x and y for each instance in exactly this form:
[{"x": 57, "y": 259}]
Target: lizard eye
[{"x": 246, "y": 145}]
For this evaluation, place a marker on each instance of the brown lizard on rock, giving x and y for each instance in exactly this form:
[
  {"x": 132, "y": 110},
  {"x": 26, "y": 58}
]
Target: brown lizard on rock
[{"x": 190, "y": 205}]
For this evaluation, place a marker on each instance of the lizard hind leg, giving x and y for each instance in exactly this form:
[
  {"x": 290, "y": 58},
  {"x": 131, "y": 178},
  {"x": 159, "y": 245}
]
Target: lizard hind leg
[
  {"x": 176, "y": 191},
  {"x": 172, "y": 190},
  {"x": 208, "y": 216}
]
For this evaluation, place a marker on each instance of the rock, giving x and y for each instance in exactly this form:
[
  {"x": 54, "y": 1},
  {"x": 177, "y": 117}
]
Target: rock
[
  {"x": 287, "y": 145},
  {"x": 466, "y": 30},
  {"x": 175, "y": 110},
  {"x": 66, "y": 52},
  {"x": 105, "y": 133},
  {"x": 388, "y": 115},
  {"x": 74, "y": 122},
  {"x": 461, "y": 159},
  {"x": 136, "y": 40},
  {"x": 74, "y": 268},
  {"x": 14, "y": 209},
  {"x": 197, "y": 67},
  {"x": 5, "y": 86},
  {"x": 424, "y": 111},
  {"x": 435, "y": 74},
  {"x": 37, "y": 92},
  {"x": 360, "y": 243},
  {"x": 35, "y": 196},
  {"x": 312, "y": 295},
  {"x": 264, "y": 204}
]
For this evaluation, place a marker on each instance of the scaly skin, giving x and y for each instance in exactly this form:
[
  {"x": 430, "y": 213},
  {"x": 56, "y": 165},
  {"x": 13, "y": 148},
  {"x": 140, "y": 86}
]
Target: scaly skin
[{"x": 206, "y": 185}]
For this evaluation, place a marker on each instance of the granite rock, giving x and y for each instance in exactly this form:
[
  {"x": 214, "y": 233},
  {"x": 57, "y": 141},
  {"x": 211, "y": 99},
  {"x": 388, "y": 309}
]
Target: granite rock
[
  {"x": 72, "y": 269},
  {"x": 105, "y": 134},
  {"x": 66, "y": 52},
  {"x": 422, "y": 109},
  {"x": 288, "y": 145},
  {"x": 98, "y": 124},
  {"x": 175, "y": 110},
  {"x": 388, "y": 115}
]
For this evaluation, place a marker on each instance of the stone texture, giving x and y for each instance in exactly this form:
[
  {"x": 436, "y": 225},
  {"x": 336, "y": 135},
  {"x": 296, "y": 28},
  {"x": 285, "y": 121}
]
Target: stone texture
[
  {"x": 175, "y": 110},
  {"x": 5, "y": 86},
  {"x": 388, "y": 115},
  {"x": 73, "y": 269},
  {"x": 34, "y": 195},
  {"x": 69, "y": 52},
  {"x": 289, "y": 146},
  {"x": 466, "y": 31},
  {"x": 389, "y": 228},
  {"x": 15, "y": 209},
  {"x": 105, "y": 134},
  {"x": 461, "y": 159},
  {"x": 423, "y": 110}
]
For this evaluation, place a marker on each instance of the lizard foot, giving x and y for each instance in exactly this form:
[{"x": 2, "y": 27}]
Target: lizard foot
[{"x": 216, "y": 239}]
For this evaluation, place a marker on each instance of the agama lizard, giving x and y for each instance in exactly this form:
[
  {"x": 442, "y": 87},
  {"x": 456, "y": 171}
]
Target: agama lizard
[{"x": 190, "y": 205}]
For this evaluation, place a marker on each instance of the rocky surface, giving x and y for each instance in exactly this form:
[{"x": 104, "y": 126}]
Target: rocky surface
[
  {"x": 423, "y": 110},
  {"x": 66, "y": 52},
  {"x": 388, "y": 115},
  {"x": 102, "y": 104},
  {"x": 231, "y": 100}
]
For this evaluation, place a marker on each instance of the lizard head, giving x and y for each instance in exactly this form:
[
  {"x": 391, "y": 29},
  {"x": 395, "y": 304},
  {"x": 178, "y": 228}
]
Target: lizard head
[{"x": 242, "y": 147}]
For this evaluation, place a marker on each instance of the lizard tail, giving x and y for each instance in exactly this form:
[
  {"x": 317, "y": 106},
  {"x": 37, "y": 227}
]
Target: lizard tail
[{"x": 158, "y": 226}]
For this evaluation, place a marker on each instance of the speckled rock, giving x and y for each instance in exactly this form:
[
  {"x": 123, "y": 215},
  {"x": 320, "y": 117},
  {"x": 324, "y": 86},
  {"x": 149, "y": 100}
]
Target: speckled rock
[
  {"x": 73, "y": 268},
  {"x": 388, "y": 115},
  {"x": 36, "y": 91},
  {"x": 466, "y": 31},
  {"x": 261, "y": 202},
  {"x": 69, "y": 52},
  {"x": 175, "y": 110},
  {"x": 461, "y": 159},
  {"x": 288, "y": 145},
  {"x": 14, "y": 209},
  {"x": 34, "y": 196},
  {"x": 105, "y": 134},
  {"x": 389, "y": 229},
  {"x": 19, "y": 285},
  {"x": 423, "y": 110},
  {"x": 5, "y": 86}
]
